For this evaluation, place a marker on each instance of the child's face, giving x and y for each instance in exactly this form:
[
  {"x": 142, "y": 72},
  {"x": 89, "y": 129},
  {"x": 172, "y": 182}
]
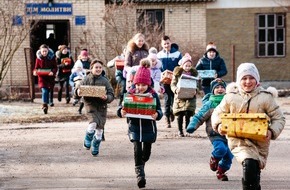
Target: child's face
[
  {"x": 153, "y": 62},
  {"x": 219, "y": 90},
  {"x": 211, "y": 54},
  {"x": 187, "y": 66},
  {"x": 166, "y": 44},
  {"x": 140, "y": 42},
  {"x": 248, "y": 83},
  {"x": 97, "y": 69},
  {"x": 44, "y": 51},
  {"x": 84, "y": 58},
  {"x": 64, "y": 51},
  {"x": 141, "y": 88}
]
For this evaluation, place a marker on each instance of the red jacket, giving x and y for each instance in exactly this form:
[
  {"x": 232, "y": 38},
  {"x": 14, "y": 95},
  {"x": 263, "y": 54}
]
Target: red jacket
[{"x": 48, "y": 62}]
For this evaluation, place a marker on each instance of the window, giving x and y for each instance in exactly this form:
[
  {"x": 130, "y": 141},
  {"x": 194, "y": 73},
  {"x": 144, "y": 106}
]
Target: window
[
  {"x": 271, "y": 35},
  {"x": 151, "y": 20}
]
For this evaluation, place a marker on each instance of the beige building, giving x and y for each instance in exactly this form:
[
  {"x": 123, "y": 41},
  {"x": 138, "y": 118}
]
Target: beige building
[{"x": 244, "y": 30}]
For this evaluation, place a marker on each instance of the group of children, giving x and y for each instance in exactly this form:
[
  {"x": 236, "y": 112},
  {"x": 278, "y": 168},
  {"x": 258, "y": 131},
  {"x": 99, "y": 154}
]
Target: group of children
[{"x": 245, "y": 96}]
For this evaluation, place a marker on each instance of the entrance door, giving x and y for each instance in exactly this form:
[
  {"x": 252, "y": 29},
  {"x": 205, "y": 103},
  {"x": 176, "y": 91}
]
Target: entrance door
[{"x": 43, "y": 29}]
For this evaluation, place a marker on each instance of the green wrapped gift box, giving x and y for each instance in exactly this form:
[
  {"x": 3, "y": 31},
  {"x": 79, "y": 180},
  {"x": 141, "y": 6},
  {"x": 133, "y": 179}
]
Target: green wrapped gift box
[{"x": 139, "y": 104}]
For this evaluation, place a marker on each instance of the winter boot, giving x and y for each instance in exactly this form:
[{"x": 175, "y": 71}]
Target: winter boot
[
  {"x": 88, "y": 140},
  {"x": 141, "y": 181},
  {"x": 251, "y": 175},
  {"x": 103, "y": 136},
  {"x": 81, "y": 107},
  {"x": 95, "y": 146},
  {"x": 179, "y": 123},
  {"x": 59, "y": 95},
  {"x": 213, "y": 163},
  {"x": 44, "y": 108},
  {"x": 168, "y": 125},
  {"x": 220, "y": 174},
  {"x": 67, "y": 100}
]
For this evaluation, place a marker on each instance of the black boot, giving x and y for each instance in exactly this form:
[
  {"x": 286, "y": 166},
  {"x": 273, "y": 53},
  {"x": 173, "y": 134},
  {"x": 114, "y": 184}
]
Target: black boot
[
  {"x": 168, "y": 125},
  {"x": 251, "y": 175},
  {"x": 81, "y": 107},
  {"x": 45, "y": 108},
  {"x": 179, "y": 122},
  {"x": 141, "y": 181},
  {"x": 59, "y": 95}
]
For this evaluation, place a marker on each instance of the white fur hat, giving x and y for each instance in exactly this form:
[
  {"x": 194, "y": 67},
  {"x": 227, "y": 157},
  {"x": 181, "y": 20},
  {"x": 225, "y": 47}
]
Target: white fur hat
[{"x": 247, "y": 69}]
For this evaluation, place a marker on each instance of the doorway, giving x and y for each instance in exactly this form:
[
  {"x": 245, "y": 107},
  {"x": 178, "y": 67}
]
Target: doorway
[{"x": 43, "y": 29}]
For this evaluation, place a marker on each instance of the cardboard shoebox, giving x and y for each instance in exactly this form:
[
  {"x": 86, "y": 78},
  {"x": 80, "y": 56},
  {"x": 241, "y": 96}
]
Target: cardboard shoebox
[
  {"x": 92, "y": 91},
  {"x": 166, "y": 77},
  {"x": 245, "y": 125},
  {"x": 43, "y": 72},
  {"x": 187, "y": 87},
  {"x": 119, "y": 63},
  {"x": 139, "y": 105},
  {"x": 206, "y": 73},
  {"x": 66, "y": 61}
]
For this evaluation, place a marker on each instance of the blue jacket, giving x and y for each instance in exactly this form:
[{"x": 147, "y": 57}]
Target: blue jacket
[
  {"x": 204, "y": 115},
  {"x": 217, "y": 64},
  {"x": 169, "y": 60},
  {"x": 143, "y": 130}
]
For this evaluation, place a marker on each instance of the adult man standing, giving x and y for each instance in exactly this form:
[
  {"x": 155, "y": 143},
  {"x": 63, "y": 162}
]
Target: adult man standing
[{"x": 169, "y": 57}]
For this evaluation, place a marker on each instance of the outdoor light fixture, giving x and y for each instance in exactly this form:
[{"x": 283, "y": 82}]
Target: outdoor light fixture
[
  {"x": 50, "y": 2},
  {"x": 170, "y": 9}
]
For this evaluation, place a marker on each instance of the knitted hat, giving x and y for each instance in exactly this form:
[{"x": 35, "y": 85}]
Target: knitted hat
[
  {"x": 142, "y": 75},
  {"x": 152, "y": 50},
  {"x": 78, "y": 64},
  {"x": 185, "y": 59},
  {"x": 215, "y": 83},
  {"x": 84, "y": 53},
  {"x": 247, "y": 69},
  {"x": 211, "y": 47}
]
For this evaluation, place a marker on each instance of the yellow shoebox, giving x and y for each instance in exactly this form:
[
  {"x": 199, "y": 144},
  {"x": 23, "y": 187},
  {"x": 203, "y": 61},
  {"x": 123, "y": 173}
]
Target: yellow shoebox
[{"x": 245, "y": 125}]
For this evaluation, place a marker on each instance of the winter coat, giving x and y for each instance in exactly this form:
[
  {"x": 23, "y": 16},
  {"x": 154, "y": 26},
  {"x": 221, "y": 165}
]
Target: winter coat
[
  {"x": 217, "y": 64},
  {"x": 169, "y": 59},
  {"x": 156, "y": 71},
  {"x": 134, "y": 54},
  {"x": 182, "y": 104},
  {"x": 97, "y": 107},
  {"x": 86, "y": 65},
  {"x": 47, "y": 62},
  {"x": 257, "y": 101},
  {"x": 204, "y": 115},
  {"x": 143, "y": 130},
  {"x": 64, "y": 71}
]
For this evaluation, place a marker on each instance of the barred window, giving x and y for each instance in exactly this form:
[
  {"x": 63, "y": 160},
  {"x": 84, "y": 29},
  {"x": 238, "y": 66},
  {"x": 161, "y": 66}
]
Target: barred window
[{"x": 271, "y": 35}]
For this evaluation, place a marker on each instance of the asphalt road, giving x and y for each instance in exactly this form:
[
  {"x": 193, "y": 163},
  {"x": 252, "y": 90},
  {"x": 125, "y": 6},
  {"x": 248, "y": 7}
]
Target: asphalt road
[{"x": 51, "y": 156}]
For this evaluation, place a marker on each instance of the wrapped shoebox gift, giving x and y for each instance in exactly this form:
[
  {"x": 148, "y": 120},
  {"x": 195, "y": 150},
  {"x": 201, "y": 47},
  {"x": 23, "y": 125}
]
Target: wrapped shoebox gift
[
  {"x": 245, "y": 125},
  {"x": 92, "y": 91},
  {"x": 66, "y": 61},
  {"x": 43, "y": 72},
  {"x": 206, "y": 73},
  {"x": 166, "y": 77},
  {"x": 187, "y": 86},
  {"x": 119, "y": 63},
  {"x": 139, "y": 105}
]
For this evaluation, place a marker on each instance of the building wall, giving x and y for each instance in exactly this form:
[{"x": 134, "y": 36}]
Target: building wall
[
  {"x": 92, "y": 9},
  {"x": 236, "y": 27}
]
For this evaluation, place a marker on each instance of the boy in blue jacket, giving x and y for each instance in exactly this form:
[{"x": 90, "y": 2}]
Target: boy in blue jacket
[{"x": 221, "y": 159}]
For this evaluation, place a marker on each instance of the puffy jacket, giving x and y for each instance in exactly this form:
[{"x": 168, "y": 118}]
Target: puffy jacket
[
  {"x": 257, "y": 101},
  {"x": 169, "y": 59}
]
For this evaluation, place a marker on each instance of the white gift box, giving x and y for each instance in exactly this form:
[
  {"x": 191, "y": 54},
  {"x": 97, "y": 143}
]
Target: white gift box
[
  {"x": 206, "y": 73},
  {"x": 187, "y": 87}
]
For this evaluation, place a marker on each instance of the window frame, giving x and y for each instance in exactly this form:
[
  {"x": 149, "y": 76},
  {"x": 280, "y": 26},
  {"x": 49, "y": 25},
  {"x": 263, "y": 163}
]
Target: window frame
[{"x": 270, "y": 33}]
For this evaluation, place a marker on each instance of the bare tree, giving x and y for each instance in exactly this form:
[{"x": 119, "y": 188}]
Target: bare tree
[{"x": 13, "y": 31}]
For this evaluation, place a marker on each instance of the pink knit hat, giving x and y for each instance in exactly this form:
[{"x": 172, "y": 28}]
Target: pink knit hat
[
  {"x": 184, "y": 59},
  {"x": 84, "y": 53},
  {"x": 142, "y": 76}
]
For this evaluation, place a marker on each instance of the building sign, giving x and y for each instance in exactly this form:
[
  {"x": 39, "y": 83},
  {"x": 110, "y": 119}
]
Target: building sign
[
  {"x": 80, "y": 20},
  {"x": 45, "y": 9}
]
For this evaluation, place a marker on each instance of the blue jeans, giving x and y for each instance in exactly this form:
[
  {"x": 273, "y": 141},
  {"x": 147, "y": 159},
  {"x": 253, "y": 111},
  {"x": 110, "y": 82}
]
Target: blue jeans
[
  {"x": 45, "y": 95},
  {"x": 222, "y": 152}
]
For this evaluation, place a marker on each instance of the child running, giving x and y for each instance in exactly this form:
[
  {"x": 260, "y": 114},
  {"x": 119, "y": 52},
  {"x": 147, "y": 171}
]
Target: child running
[
  {"x": 183, "y": 107},
  {"x": 96, "y": 107},
  {"x": 221, "y": 156},
  {"x": 250, "y": 97},
  {"x": 142, "y": 132}
]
